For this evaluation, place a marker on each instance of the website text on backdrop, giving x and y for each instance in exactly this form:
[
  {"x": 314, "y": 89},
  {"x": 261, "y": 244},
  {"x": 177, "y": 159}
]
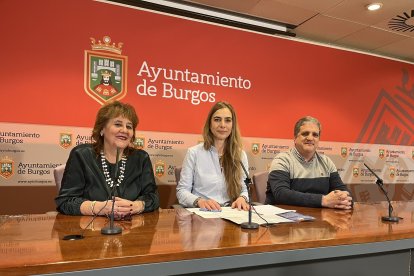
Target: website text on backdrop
[
  {"x": 304, "y": 177},
  {"x": 211, "y": 174}
]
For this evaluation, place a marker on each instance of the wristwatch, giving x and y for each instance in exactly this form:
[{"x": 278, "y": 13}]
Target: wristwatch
[{"x": 195, "y": 203}]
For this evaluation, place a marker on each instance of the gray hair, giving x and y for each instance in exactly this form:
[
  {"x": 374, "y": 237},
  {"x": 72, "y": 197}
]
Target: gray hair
[{"x": 304, "y": 120}]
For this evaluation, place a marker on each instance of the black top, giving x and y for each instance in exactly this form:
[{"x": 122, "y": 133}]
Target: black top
[{"x": 83, "y": 180}]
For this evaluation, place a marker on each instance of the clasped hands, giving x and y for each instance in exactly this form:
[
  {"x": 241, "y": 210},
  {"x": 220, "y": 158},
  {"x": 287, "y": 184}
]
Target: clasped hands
[
  {"x": 123, "y": 208},
  {"x": 337, "y": 199},
  {"x": 210, "y": 204}
]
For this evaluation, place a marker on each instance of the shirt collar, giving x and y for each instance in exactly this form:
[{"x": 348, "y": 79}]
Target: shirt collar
[{"x": 300, "y": 157}]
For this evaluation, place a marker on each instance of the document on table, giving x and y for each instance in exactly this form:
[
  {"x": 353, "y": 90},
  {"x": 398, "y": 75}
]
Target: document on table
[{"x": 268, "y": 212}]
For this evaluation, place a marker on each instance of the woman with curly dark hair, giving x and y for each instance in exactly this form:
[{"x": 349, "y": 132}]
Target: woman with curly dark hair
[{"x": 89, "y": 177}]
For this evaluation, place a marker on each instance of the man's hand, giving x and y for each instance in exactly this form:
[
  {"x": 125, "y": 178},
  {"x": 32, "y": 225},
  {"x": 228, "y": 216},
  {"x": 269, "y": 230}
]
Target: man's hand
[{"x": 337, "y": 199}]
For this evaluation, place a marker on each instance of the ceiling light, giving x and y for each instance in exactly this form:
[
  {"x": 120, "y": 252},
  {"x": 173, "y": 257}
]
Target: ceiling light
[
  {"x": 374, "y": 6},
  {"x": 226, "y": 17}
]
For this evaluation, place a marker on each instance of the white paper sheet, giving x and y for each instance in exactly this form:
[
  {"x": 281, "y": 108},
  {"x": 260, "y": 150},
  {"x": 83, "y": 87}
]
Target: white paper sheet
[{"x": 268, "y": 212}]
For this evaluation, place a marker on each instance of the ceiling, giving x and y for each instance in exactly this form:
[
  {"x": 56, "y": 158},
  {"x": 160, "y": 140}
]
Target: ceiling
[{"x": 347, "y": 24}]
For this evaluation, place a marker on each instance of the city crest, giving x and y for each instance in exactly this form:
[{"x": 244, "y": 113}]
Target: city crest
[
  {"x": 6, "y": 167},
  {"x": 65, "y": 140},
  {"x": 381, "y": 153},
  {"x": 139, "y": 142},
  {"x": 344, "y": 152},
  {"x": 159, "y": 168},
  {"x": 255, "y": 148},
  {"x": 355, "y": 171},
  {"x": 392, "y": 172},
  {"x": 105, "y": 71}
]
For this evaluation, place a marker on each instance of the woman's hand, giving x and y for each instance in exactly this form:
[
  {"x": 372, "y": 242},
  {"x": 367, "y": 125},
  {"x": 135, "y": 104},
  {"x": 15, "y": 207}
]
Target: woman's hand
[
  {"x": 125, "y": 207},
  {"x": 208, "y": 204},
  {"x": 240, "y": 203},
  {"x": 122, "y": 208}
]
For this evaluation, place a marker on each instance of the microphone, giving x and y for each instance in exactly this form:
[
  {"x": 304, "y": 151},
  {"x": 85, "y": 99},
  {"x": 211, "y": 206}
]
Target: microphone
[
  {"x": 390, "y": 209},
  {"x": 81, "y": 236},
  {"x": 112, "y": 229},
  {"x": 249, "y": 224}
]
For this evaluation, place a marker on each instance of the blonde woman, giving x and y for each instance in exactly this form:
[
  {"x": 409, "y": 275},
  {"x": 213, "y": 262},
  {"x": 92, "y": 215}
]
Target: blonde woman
[{"x": 212, "y": 174}]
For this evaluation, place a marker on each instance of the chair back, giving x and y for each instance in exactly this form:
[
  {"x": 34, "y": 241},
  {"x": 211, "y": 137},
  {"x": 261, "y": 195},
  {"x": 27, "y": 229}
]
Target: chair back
[
  {"x": 260, "y": 185},
  {"x": 177, "y": 173},
  {"x": 58, "y": 175},
  {"x": 168, "y": 192}
]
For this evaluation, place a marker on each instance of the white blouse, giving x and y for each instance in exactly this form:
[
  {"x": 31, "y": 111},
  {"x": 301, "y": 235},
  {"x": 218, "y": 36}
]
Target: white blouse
[{"x": 202, "y": 176}]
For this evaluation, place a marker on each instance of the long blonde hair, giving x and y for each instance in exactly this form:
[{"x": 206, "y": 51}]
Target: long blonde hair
[{"x": 231, "y": 159}]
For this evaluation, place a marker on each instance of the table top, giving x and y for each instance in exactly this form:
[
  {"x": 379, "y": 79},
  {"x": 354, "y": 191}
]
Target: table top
[{"x": 33, "y": 243}]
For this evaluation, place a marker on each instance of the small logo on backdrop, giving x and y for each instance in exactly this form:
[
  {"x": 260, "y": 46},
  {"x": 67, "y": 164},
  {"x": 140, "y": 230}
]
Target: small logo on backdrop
[
  {"x": 392, "y": 172},
  {"x": 381, "y": 153},
  {"x": 139, "y": 142},
  {"x": 6, "y": 167},
  {"x": 105, "y": 71},
  {"x": 255, "y": 148},
  {"x": 159, "y": 168},
  {"x": 344, "y": 152},
  {"x": 355, "y": 171},
  {"x": 65, "y": 140}
]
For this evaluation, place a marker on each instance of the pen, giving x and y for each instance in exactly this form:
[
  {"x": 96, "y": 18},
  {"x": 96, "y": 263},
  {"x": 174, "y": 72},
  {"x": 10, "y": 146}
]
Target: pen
[{"x": 207, "y": 210}]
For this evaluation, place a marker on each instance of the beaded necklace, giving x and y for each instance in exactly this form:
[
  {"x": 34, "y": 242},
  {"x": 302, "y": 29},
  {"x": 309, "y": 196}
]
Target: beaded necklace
[{"x": 108, "y": 178}]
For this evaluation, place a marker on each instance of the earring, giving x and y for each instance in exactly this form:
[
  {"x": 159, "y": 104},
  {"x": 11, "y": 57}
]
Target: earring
[{"x": 101, "y": 133}]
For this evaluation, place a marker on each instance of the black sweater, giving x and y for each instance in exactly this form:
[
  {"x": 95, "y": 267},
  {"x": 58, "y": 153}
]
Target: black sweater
[{"x": 83, "y": 180}]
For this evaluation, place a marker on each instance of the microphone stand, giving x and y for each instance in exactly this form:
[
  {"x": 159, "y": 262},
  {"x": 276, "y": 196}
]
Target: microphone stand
[
  {"x": 380, "y": 183},
  {"x": 249, "y": 224},
  {"x": 112, "y": 229}
]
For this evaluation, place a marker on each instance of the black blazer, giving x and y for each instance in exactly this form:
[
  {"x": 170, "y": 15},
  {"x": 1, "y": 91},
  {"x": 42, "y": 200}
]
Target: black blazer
[{"x": 83, "y": 180}]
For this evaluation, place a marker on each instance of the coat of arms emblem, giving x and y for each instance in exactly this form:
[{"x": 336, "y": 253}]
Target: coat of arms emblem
[
  {"x": 344, "y": 152},
  {"x": 65, "y": 140},
  {"x": 255, "y": 148},
  {"x": 355, "y": 171},
  {"x": 139, "y": 142},
  {"x": 159, "y": 168},
  {"x": 381, "y": 153},
  {"x": 392, "y": 172},
  {"x": 6, "y": 167},
  {"x": 105, "y": 71}
]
